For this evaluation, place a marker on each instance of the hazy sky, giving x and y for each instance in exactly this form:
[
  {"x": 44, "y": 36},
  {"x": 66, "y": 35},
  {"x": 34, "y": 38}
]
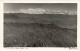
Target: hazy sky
[{"x": 71, "y": 7}]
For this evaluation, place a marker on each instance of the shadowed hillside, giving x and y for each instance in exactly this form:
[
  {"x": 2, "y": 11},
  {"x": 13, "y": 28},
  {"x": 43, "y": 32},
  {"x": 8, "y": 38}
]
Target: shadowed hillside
[
  {"x": 64, "y": 21},
  {"x": 37, "y": 31}
]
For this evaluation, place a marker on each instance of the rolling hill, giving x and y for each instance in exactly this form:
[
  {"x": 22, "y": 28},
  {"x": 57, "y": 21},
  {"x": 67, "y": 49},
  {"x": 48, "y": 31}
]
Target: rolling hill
[{"x": 39, "y": 30}]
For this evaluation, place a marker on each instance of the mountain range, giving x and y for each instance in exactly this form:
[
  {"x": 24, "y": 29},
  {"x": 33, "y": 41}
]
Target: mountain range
[{"x": 40, "y": 11}]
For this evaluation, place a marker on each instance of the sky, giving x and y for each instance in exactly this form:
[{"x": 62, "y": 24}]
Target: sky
[{"x": 70, "y": 7}]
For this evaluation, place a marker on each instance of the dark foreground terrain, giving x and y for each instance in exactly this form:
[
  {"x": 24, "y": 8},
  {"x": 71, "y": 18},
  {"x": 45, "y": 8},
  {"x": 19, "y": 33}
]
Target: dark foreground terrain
[{"x": 24, "y": 30}]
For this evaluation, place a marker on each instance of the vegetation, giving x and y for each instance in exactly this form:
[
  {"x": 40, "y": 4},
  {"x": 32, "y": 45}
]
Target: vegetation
[{"x": 24, "y": 34}]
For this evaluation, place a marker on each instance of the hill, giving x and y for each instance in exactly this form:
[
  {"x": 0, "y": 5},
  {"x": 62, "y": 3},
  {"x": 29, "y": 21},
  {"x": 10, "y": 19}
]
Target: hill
[
  {"x": 64, "y": 21},
  {"x": 32, "y": 31}
]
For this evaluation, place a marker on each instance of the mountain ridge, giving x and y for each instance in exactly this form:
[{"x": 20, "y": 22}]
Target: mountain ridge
[{"x": 40, "y": 11}]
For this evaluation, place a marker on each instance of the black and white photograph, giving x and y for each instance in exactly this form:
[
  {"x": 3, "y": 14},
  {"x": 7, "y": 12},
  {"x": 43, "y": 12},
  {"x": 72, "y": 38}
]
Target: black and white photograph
[{"x": 40, "y": 25}]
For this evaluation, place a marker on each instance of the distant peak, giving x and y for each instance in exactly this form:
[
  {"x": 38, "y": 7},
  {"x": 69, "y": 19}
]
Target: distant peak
[{"x": 40, "y": 11}]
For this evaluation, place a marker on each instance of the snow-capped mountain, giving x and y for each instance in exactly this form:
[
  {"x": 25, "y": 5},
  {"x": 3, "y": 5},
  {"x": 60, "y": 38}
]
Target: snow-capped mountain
[{"x": 40, "y": 11}]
